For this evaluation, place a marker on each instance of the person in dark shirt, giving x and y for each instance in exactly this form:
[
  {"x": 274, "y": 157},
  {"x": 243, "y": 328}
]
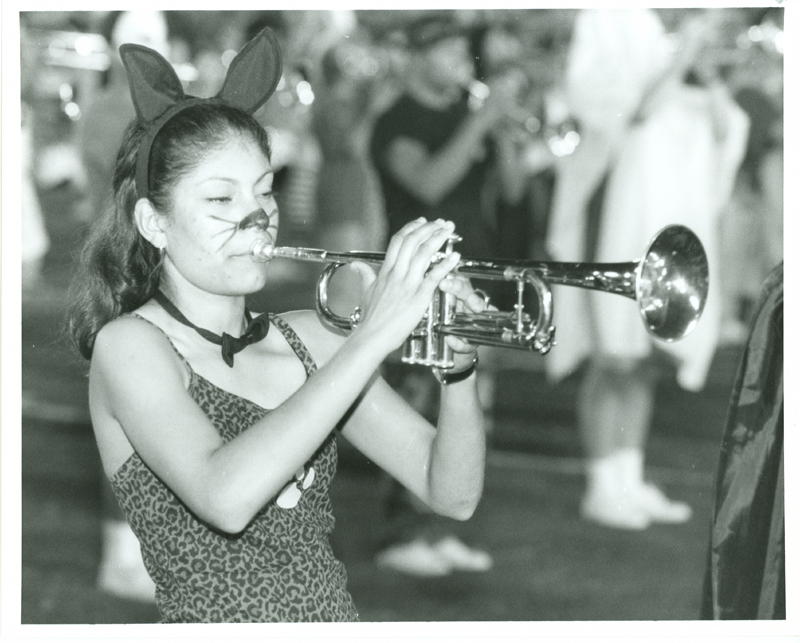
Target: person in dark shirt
[
  {"x": 434, "y": 150},
  {"x": 434, "y": 147}
]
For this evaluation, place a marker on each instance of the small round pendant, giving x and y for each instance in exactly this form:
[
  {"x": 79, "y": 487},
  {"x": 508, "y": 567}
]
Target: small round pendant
[{"x": 290, "y": 495}]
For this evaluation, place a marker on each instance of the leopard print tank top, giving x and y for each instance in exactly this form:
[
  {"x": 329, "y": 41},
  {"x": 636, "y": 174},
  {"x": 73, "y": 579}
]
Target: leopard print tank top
[{"x": 279, "y": 569}]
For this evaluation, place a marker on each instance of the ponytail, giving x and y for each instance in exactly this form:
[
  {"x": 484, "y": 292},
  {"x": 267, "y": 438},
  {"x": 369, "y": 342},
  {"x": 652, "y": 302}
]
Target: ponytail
[{"x": 119, "y": 269}]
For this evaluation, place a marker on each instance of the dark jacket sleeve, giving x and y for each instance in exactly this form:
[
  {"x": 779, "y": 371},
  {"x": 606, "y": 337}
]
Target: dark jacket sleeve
[{"x": 745, "y": 574}]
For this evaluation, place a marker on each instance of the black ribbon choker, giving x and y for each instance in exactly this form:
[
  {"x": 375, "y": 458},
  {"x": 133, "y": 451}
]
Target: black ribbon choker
[{"x": 256, "y": 330}]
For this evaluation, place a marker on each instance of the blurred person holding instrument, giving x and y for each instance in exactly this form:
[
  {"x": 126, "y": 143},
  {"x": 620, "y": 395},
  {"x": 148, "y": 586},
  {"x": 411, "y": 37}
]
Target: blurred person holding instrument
[
  {"x": 661, "y": 141},
  {"x": 35, "y": 238},
  {"x": 216, "y": 427},
  {"x": 435, "y": 149},
  {"x": 349, "y": 213}
]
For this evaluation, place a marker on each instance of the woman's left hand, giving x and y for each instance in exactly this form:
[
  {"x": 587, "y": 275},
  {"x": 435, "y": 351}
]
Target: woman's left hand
[{"x": 468, "y": 300}]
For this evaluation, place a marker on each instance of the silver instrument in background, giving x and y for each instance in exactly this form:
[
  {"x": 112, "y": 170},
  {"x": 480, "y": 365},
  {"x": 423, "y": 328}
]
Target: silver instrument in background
[{"x": 669, "y": 283}]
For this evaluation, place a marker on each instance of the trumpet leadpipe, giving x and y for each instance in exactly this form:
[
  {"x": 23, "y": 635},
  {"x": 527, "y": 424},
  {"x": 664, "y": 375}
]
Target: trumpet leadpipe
[{"x": 263, "y": 251}]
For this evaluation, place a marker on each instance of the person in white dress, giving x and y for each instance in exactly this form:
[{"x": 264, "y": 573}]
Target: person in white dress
[{"x": 657, "y": 148}]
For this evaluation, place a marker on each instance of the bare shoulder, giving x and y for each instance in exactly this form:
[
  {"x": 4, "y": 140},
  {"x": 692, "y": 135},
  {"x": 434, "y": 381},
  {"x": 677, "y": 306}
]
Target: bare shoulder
[
  {"x": 128, "y": 332},
  {"x": 320, "y": 338},
  {"x": 135, "y": 343}
]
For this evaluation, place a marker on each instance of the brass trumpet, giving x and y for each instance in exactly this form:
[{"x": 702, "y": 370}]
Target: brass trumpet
[{"x": 669, "y": 283}]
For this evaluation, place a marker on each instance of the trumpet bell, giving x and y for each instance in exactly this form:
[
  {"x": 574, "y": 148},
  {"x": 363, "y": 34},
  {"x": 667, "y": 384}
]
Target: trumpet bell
[{"x": 672, "y": 283}]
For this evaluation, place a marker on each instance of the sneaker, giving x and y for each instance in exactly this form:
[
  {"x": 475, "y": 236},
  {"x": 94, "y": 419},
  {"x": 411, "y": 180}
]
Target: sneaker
[
  {"x": 658, "y": 507},
  {"x": 416, "y": 558},
  {"x": 461, "y": 557},
  {"x": 618, "y": 512}
]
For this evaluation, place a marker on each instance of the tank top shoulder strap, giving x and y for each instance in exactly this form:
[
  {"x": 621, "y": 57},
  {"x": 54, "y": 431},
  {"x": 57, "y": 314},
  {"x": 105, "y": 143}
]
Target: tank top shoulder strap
[
  {"x": 295, "y": 342},
  {"x": 183, "y": 360}
]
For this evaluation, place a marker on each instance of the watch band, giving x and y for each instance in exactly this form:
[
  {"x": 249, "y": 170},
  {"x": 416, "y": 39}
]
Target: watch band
[{"x": 447, "y": 377}]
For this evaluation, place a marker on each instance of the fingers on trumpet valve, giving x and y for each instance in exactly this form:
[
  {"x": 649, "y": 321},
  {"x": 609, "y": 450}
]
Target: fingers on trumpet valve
[
  {"x": 398, "y": 240},
  {"x": 423, "y": 248},
  {"x": 479, "y": 301},
  {"x": 474, "y": 300}
]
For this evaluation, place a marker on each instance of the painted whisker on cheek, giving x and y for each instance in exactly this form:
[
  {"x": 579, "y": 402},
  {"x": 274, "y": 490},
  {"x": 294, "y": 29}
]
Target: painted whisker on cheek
[{"x": 232, "y": 230}]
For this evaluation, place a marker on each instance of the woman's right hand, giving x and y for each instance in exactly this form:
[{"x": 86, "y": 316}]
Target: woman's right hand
[{"x": 399, "y": 295}]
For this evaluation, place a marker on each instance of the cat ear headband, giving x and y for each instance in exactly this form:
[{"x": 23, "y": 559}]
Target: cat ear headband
[{"x": 158, "y": 94}]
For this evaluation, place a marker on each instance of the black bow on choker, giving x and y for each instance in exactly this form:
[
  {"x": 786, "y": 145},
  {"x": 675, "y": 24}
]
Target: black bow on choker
[{"x": 256, "y": 329}]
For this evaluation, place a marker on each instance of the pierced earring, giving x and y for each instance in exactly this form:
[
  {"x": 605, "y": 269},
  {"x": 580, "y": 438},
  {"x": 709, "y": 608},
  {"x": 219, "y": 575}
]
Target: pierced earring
[{"x": 161, "y": 253}]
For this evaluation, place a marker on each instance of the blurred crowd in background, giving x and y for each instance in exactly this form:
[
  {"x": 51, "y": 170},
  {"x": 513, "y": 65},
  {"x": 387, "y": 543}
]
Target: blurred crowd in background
[{"x": 342, "y": 68}]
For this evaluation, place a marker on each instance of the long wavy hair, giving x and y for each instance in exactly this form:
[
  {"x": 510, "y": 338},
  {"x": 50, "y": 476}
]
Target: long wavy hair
[{"x": 119, "y": 270}]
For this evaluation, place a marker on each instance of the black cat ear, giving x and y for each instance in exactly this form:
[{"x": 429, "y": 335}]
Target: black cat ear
[
  {"x": 254, "y": 73},
  {"x": 155, "y": 87}
]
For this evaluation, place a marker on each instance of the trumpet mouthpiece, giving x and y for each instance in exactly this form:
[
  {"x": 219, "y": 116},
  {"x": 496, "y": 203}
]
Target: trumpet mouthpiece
[{"x": 262, "y": 250}]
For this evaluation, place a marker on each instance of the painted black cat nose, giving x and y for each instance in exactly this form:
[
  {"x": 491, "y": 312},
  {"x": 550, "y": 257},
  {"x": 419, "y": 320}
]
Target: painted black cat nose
[{"x": 256, "y": 219}]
